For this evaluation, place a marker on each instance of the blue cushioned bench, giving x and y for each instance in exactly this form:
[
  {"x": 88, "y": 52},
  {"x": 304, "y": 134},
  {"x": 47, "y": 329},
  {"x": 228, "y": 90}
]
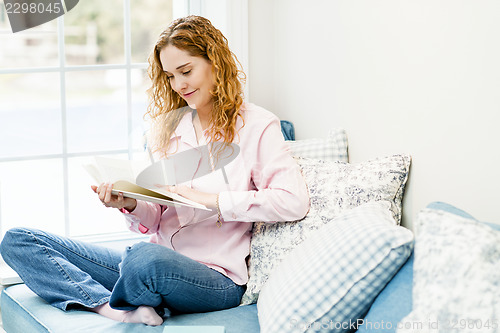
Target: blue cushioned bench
[{"x": 23, "y": 311}]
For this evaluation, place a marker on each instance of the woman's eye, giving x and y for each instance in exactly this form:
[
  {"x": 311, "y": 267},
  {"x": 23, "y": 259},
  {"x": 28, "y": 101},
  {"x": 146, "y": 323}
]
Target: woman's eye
[{"x": 187, "y": 72}]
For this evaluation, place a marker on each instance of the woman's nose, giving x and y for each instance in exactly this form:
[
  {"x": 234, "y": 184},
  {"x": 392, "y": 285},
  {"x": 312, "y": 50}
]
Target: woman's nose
[{"x": 180, "y": 84}]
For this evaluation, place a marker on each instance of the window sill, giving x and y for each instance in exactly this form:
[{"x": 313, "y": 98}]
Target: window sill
[
  {"x": 119, "y": 241},
  {"x": 8, "y": 276}
]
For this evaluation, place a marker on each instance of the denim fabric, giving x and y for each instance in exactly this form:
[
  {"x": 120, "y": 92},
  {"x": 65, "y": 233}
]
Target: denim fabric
[
  {"x": 66, "y": 272},
  {"x": 157, "y": 276},
  {"x": 60, "y": 270}
]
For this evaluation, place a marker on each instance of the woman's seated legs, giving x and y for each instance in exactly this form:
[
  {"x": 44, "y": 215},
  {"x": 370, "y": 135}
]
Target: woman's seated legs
[
  {"x": 62, "y": 271},
  {"x": 157, "y": 276}
]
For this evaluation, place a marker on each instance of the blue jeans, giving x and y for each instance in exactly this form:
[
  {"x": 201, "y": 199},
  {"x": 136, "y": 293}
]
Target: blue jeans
[{"x": 67, "y": 272}]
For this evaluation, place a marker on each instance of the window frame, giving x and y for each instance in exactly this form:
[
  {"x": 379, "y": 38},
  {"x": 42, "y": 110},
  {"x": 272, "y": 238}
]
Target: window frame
[{"x": 237, "y": 22}]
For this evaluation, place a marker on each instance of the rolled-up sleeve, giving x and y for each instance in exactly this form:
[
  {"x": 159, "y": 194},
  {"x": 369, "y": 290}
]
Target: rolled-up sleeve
[
  {"x": 145, "y": 218},
  {"x": 280, "y": 192}
]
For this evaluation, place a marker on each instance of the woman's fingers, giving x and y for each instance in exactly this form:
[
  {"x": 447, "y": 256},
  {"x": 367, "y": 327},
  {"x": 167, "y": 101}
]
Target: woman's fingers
[
  {"x": 120, "y": 200},
  {"x": 100, "y": 192},
  {"x": 107, "y": 196},
  {"x": 170, "y": 188}
]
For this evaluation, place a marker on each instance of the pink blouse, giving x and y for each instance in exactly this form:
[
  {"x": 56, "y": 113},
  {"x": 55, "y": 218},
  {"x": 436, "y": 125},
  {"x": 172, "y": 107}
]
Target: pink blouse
[{"x": 264, "y": 184}]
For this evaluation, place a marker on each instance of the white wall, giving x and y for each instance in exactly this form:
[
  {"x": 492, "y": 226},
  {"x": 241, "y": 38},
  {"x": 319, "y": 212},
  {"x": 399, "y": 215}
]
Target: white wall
[{"x": 421, "y": 77}]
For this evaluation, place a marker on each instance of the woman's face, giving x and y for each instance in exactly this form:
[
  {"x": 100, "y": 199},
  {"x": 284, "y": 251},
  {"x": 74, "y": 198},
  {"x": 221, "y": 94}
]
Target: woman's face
[{"x": 190, "y": 77}]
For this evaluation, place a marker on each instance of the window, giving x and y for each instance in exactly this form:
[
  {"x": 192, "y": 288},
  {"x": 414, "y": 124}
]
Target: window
[{"x": 74, "y": 88}]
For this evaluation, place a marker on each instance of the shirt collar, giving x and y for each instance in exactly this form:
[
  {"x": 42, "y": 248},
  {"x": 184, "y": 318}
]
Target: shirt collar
[{"x": 185, "y": 130}]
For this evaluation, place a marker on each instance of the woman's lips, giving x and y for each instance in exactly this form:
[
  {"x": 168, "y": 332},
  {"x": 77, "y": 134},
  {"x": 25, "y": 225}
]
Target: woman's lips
[{"x": 189, "y": 94}]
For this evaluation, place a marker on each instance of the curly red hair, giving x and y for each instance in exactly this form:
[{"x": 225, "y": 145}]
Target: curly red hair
[{"x": 197, "y": 36}]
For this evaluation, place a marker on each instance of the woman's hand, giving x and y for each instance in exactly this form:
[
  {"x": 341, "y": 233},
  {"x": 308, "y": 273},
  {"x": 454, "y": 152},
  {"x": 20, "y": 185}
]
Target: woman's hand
[
  {"x": 110, "y": 200},
  {"x": 209, "y": 200}
]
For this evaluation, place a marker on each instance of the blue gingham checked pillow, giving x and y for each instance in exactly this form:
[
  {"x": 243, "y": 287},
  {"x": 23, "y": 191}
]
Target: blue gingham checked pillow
[
  {"x": 331, "y": 148},
  {"x": 334, "y": 187},
  {"x": 329, "y": 282}
]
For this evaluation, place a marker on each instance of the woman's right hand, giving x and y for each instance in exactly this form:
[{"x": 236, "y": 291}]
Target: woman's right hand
[{"x": 115, "y": 201}]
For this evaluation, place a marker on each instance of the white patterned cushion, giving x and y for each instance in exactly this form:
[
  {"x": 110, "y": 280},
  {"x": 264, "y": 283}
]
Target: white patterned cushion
[
  {"x": 329, "y": 282},
  {"x": 333, "y": 188},
  {"x": 455, "y": 275},
  {"x": 333, "y": 148}
]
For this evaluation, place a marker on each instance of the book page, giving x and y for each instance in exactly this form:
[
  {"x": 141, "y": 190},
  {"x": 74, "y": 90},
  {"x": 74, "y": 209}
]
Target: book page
[
  {"x": 161, "y": 172},
  {"x": 93, "y": 171},
  {"x": 127, "y": 187},
  {"x": 113, "y": 170}
]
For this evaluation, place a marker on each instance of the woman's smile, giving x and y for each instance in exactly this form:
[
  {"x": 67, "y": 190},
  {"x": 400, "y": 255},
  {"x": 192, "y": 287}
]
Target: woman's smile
[{"x": 189, "y": 94}]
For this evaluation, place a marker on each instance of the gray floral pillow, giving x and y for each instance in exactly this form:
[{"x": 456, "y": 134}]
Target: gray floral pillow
[
  {"x": 455, "y": 275},
  {"x": 334, "y": 187}
]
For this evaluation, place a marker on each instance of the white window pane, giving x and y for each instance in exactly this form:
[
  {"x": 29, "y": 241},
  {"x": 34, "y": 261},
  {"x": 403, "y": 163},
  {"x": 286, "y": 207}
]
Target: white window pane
[
  {"x": 32, "y": 195},
  {"x": 30, "y": 48},
  {"x": 86, "y": 213},
  {"x": 140, "y": 83},
  {"x": 97, "y": 111},
  {"x": 94, "y": 33},
  {"x": 4, "y": 20},
  {"x": 96, "y": 118},
  {"x": 216, "y": 12},
  {"x": 30, "y": 114},
  {"x": 145, "y": 28}
]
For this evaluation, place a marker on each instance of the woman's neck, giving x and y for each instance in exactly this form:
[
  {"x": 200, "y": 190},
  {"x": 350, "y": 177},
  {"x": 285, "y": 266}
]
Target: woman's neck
[{"x": 204, "y": 118}]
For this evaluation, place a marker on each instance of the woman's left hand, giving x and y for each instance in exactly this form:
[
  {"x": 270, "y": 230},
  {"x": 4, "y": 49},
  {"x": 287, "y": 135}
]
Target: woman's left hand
[{"x": 209, "y": 200}]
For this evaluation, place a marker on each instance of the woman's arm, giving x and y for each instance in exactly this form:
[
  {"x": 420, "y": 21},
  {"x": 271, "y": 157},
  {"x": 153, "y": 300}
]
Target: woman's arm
[{"x": 281, "y": 193}]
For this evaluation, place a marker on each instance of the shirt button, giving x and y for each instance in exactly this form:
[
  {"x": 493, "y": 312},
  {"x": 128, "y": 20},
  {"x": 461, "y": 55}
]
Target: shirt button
[{"x": 234, "y": 216}]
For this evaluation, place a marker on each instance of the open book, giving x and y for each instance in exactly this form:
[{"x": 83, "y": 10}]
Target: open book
[{"x": 138, "y": 180}]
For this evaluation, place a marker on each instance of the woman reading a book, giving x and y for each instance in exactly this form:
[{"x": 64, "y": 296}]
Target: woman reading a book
[{"x": 196, "y": 259}]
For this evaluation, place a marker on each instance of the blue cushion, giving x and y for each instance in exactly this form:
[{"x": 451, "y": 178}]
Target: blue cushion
[
  {"x": 452, "y": 209},
  {"x": 449, "y": 208},
  {"x": 392, "y": 304},
  {"x": 287, "y": 129},
  {"x": 23, "y": 311}
]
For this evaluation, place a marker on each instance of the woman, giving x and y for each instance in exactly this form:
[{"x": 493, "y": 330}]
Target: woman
[{"x": 196, "y": 259}]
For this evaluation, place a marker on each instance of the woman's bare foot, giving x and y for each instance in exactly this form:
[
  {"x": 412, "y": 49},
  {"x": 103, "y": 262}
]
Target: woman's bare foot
[{"x": 142, "y": 315}]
